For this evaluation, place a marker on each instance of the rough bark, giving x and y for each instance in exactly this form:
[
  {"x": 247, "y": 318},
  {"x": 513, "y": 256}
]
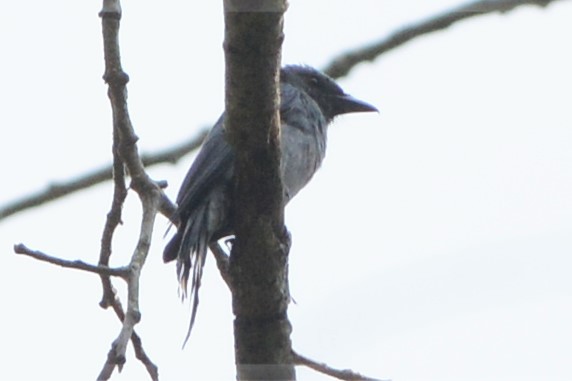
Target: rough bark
[{"x": 258, "y": 265}]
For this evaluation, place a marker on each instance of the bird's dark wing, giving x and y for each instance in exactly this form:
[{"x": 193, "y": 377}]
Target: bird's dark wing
[
  {"x": 215, "y": 162},
  {"x": 213, "y": 166}
]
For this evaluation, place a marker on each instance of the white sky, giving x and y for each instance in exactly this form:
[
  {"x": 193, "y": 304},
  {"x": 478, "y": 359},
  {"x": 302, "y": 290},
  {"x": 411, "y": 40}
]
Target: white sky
[{"x": 434, "y": 244}]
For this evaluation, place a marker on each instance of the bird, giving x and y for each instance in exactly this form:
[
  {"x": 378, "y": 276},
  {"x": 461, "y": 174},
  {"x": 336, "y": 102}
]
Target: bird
[{"x": 309, "y": 102}]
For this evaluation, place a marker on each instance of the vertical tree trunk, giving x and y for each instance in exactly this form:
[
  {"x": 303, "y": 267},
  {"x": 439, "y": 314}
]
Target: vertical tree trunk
[{"x": 259, "y": 258}]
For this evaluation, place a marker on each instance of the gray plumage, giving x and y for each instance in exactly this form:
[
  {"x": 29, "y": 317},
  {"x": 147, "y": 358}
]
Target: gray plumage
[{"x": 309, "y": 102}]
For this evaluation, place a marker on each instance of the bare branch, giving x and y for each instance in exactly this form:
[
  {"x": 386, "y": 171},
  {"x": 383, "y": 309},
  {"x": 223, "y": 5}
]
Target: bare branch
[
  {"x": 116, "y": 355},
  {"x": 125, "y": 158},
  {"x": 112, "y": 221},
  {"x": 136, "y": 341},
  {"x": 142, "y": 356},
  {"x": 339, "y": 67},
  {"x": 343, "y": 374},
  {"x": 109, "y": 297},
  {"x": 342, "y": 65},
  {"x": 151, "y": 196},
  {"x": 97, "y": 176},
  {"x": 102, "y": 271},
  {"x": 121, "y": 272}
]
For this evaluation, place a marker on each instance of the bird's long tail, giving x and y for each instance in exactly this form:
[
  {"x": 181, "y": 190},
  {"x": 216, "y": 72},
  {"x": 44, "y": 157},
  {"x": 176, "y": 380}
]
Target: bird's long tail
[{"x": 189, "y": 246}]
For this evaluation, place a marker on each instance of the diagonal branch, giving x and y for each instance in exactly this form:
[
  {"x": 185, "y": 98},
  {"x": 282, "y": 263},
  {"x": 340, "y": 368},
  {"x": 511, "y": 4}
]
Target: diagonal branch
[
  {"x": 338, "y": 67},
  {"x": 95, "y": 177},
  {"x": 341, "y": 374},
  {"x": 342, "y": 65}
]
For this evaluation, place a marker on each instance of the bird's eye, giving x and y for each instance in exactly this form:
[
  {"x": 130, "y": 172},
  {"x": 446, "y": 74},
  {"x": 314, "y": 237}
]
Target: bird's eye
[{"x": 314, "y": 81}]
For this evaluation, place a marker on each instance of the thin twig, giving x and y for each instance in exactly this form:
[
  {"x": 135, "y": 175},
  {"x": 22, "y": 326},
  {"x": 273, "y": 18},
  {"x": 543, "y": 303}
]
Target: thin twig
[
  {"x": 121, "y": 272},
  {"x": 342, "y": 374},
  {"x": 342, "y": 65}
]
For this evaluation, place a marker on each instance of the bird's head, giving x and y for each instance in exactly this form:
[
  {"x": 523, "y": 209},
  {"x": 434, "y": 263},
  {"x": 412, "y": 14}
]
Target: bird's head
[{"x": 329, "y": 96}]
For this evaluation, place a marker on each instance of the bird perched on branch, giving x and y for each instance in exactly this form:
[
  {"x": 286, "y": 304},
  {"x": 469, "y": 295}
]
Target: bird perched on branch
[{"x": 310, "y": 100}]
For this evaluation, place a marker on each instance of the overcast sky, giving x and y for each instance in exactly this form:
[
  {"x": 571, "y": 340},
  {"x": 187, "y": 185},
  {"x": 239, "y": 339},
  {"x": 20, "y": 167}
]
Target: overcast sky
[{"x": 434, "y": 244}]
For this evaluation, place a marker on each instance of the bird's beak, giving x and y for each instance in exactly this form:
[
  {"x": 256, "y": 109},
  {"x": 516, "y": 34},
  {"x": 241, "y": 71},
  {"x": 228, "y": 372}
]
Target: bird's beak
[{"x": 345, "y": 103}]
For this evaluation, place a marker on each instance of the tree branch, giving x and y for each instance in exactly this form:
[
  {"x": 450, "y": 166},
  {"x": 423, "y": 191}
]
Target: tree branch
[
  {"x": 259, "y": 256},
  {"x": 339, "y": 67},
  {"x": 110, "y": 298},
  {"x": 116, "y": 355},
  {"x": 97, "y": 176},
  {"x": 342, "y": 65},
  {"x": 125, "y": 158},
  {"x": 152, "y": 198},
  {"x": 344, "y": 374},
  {"x": 121, "y": 272},
  {"x": 113, "y": 220}
]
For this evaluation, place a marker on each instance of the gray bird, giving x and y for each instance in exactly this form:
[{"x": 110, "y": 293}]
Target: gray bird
[{"x": 309, "y": 102}]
